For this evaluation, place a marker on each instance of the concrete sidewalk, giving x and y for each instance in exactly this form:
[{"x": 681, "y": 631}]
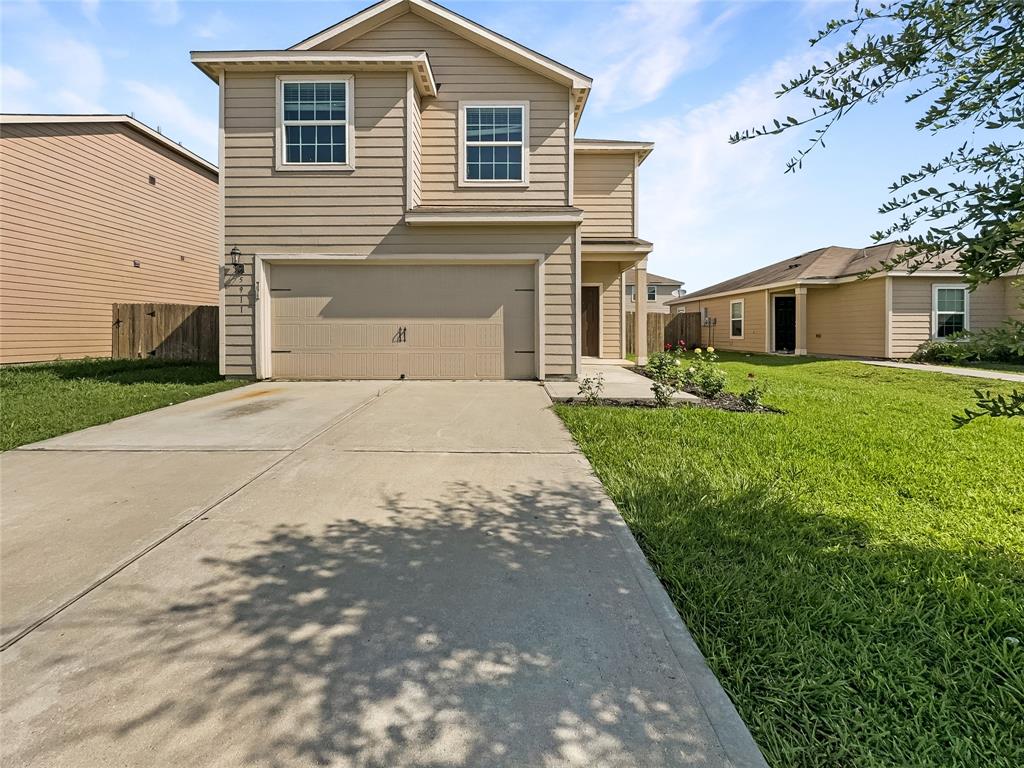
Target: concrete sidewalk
[
  {"x": 951, "y": 370},
  {"x": 620, "y": 385},
  {"x": 434, "y": 576}
]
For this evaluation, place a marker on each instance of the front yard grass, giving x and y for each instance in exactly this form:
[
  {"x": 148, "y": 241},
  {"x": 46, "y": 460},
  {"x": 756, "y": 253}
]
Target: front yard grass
[
  {"x": 50, "y": 399},
  {"x": 853, "y": 569}
]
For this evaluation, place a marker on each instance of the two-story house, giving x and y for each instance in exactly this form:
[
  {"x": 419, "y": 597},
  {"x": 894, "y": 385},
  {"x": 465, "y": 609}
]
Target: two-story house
[
  {"x": 660, "y": 291},
  {"x": 404, "y": 196}
]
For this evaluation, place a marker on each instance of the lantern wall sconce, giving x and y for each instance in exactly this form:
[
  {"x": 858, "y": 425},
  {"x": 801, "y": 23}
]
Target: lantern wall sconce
[{"x": 236, "y": 266}]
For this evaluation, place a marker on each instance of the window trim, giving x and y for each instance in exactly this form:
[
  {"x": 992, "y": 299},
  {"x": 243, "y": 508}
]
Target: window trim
[
  {"x": 935, "y": 306},
  {"x": 493, "y": 183},
  {"x": 280, "y": 149},
  {"x": 741, "y": 318},
  {"x": 652, "y": 289}
]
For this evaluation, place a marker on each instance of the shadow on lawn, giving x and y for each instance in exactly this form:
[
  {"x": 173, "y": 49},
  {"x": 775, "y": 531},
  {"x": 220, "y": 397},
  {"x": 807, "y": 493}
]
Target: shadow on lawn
[
  {"x": 408, "y": 636},
  {"x": 839, "y": 647},
  {"x": 124, "y": 371}
]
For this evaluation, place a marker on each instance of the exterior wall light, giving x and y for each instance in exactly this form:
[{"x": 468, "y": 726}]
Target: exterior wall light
[{"x": 238, "y": 265}]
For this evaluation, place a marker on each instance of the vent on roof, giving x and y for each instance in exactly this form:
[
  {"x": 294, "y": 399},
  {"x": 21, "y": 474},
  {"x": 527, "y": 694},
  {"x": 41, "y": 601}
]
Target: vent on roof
[{"x": 792, "y": 266}]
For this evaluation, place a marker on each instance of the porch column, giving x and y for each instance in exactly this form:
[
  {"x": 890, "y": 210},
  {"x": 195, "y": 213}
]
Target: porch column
[
  {"x": 801, "y": 320},
  {"x": 640, "y": 296}
]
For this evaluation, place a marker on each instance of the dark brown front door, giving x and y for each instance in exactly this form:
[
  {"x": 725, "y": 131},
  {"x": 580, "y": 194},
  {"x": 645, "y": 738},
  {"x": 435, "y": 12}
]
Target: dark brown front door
[{"x": 590, "y": 320}]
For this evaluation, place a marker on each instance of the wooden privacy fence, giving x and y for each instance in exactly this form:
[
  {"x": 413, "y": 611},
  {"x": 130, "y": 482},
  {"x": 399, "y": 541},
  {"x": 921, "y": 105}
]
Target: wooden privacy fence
[
  {"x": 171, "y": 331},
  {"x": 665, "y": 329}
]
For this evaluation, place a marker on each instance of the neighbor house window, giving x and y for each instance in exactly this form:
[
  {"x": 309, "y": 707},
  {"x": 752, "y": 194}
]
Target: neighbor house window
[
  {"x": 949, "y": 310},
  {"x": 630, "y": 291},
  {"x": 315, "y": 128},
  {"x": 736, "y": 319},
  {"x": 652, "y": 293},
  {"x": 494, "y": 142}
]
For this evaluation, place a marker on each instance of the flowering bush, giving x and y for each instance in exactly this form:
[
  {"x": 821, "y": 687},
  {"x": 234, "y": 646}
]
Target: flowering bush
[
  {"x": 665, "y": 370},
  {"x": 704, "y": 376},
  {"x": 753, "y": 398}
]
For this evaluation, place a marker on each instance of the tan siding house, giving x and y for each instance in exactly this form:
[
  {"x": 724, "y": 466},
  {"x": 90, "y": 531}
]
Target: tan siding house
[
  {"x": 414, "y": 153},
  {"x": 818, "y": 304},
  {"x": 97, "y": 210}
]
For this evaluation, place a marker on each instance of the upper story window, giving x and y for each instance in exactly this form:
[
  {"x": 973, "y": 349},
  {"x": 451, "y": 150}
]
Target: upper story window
[
  {"x": 736, "y": 319},
  {"x": 652, "y": 293},
  {"x": 494, "y": 143},
  {"x": 315, "y": 125},
  {"x": 949, "y": 310}
]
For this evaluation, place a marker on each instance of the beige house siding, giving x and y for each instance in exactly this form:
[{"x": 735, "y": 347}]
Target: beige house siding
[
  {"x": 609, "y": 276},
  {"x": 1014, "y": 298},
  {"x": 754, "y": 327},
  {"x": 468, "y": 72},
  {"x": 604, "y": 190},
  {"x": 77, "y": 210},
  {"x": 361, "y": 211},
  {"x": 912, "y": 309},
  {"x": 847, "y": 319},
  {"x": 414, "y": 161}
]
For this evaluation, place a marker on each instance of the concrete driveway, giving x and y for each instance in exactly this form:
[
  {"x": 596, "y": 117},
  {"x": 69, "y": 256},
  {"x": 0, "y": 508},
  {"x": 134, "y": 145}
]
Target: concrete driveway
[{"x": 345, "y": 574}]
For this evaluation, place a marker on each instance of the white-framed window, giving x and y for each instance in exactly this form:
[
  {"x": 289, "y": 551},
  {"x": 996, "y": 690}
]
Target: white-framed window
[
  {"x": 950, "y": 309},
  {"x": 630, "y": 292},
  {"x": 736, "y": 319},
  {"x": 652, "y": 293},
  {"x": 494, "y": 141},
  {"x": 315, "y": 123}
]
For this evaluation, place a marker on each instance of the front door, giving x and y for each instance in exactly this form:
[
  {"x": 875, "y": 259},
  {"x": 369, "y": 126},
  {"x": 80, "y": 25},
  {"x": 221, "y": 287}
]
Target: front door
[
  {"x": 590, "y": 320},
  {"x": 785, "y": 323}
]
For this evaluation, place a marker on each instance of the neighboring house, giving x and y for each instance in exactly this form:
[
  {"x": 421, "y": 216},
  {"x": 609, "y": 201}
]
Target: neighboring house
[
  {"x": 405, "y": 197},
  {"x": 97, "y": 210},
  {"x": 818, "y": 304},
  {"x": 660, "y": 291}
]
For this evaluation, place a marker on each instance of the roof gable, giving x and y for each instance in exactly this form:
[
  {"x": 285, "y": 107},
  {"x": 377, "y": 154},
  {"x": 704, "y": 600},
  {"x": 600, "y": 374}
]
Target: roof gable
[{"x": 359, "y": 24}]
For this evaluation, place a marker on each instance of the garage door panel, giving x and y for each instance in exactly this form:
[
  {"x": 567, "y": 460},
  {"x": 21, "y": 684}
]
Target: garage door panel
[{"x": 385, "y": 322}]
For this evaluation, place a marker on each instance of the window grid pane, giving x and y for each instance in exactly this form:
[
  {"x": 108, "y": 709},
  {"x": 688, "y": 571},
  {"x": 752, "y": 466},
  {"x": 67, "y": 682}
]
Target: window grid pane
[
  {"x": 737, "y": 328},
  {"x": 494, "y": 143},
  {"x": 949, "y": 323},
  {"x": 652, "y": 293},
  {"x": 324, "y": 139},
  {"x": 736, "y": 311},
  {"x": 950, "y": 299}
]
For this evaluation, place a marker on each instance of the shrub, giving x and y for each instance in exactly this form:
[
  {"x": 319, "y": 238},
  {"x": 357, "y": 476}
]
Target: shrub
[
  {"x": 754, "y": 396},
  {"x": 591, "y": 388},
  {"x": 704, "y": 376},
  {"x": 941, "y": 351}
]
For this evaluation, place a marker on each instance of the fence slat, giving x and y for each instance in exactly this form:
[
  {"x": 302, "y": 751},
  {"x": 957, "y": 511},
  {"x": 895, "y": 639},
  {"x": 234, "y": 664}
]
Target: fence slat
[
  {"x": 169, "y": 331},
  {"x": 664, "y": 329}
]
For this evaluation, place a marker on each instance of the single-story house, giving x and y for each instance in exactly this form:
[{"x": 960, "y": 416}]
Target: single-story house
[
  {"x": 97, "y": 210},
  {"x": 660, "y": 291},
  {"x": 818, "y": 303}
]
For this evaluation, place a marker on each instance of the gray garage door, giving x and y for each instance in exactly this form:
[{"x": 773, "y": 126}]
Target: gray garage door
[{"x": 414, "y": 321}]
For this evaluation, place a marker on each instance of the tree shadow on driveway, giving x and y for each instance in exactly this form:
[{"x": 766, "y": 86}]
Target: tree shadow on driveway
[{"x": 477, "y": 628}]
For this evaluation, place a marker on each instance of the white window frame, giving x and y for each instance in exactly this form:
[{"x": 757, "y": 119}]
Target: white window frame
[
  {"x": 280, "y": 161},
  {"x": 741, "y": 318},
  {"x": 936, "y": 287},
  {"x": 652, "y": 289},
  {"x": 525, "y": 143}
]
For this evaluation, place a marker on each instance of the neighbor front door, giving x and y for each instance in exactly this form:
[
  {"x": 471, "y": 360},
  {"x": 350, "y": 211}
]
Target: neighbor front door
[
  {"x": 785, "y": 323},
  {"x": 590, "y": 320}
]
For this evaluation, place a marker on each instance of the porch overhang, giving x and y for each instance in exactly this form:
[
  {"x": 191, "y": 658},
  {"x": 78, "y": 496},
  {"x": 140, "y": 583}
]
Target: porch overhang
[{"x": 615, "y": 249}]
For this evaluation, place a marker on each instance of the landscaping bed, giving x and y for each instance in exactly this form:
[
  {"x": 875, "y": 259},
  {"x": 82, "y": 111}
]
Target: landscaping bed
[
  {"x": 49, "y": 399},
  {"x": 853, "y": 570}
]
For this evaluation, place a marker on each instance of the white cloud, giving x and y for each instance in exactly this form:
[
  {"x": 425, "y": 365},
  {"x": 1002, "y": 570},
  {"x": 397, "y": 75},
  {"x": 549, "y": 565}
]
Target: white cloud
[
  {"x": 165, "y": 12},
  {"x": 698, "y": 192},
  {"x": 15, "y": 89},
  {"x": 91, "y": 10},
  {"x": 163, "y": 108},
  {"x": 82, "y": 74},
  {"x": 216, "y": 25},
  {"x": 646, "y": 46}
]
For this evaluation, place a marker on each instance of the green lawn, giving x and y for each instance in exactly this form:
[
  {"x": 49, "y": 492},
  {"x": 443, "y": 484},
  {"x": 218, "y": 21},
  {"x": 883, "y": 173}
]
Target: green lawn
[
  {"x": 49, "y": 399},
  {"x": 853, "y": 569}
]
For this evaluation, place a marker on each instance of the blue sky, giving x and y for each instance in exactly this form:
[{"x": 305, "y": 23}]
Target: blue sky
[{"x": 683, "y": 74}]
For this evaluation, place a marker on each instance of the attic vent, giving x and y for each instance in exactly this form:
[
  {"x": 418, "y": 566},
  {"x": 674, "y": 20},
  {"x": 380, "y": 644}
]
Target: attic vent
[{"x": 792, "y": 266}]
